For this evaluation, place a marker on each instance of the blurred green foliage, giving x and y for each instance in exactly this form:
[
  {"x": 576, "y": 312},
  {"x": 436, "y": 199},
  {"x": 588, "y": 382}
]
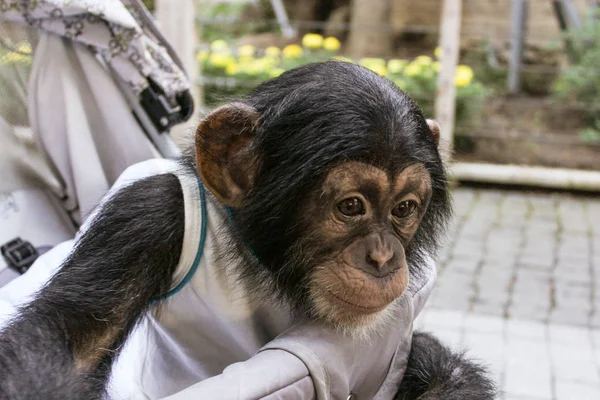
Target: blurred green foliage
[
  {"x": 149, "y": 4},
  {"x": 218, "y": 20},
  {"x": 580, "y": 82},
  {"x": 15, "y": 65},
  {"x": 230, "y": 71}
]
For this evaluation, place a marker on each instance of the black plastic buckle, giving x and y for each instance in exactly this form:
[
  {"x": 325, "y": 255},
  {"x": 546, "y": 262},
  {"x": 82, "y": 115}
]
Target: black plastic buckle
[
  {"x": 162, "y": 112},
  {"x": 19, "y": 254}
]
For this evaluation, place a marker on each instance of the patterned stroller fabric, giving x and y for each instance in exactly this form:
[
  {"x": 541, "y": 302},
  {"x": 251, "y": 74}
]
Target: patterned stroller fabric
[{"x": 117, "y": 31}]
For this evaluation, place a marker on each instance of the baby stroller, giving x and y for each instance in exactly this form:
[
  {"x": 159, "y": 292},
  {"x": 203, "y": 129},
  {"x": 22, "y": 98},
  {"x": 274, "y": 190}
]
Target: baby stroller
[{"x": 87, "y": 88}]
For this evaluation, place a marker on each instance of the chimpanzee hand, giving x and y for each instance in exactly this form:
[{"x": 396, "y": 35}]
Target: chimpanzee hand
[{"x": 434, "y": 372}]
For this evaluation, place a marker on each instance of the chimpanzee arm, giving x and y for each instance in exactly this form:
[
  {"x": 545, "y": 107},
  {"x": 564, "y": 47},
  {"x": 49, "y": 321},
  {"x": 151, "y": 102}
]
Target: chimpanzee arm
[
  {"x": 63, "y": 343},
  {"x": 434, "y": 372}
]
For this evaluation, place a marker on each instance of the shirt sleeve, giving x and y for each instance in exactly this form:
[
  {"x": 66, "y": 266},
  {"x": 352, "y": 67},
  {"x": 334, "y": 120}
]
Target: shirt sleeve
[
  {"x": 422, "y": 294},
  {"x": 271, "y": 374}
]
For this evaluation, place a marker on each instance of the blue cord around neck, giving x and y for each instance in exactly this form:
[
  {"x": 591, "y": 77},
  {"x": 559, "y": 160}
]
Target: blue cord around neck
[{"x": 200, "y": 250}]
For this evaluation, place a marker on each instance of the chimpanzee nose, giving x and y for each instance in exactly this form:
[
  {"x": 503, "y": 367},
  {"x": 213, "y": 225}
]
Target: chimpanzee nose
[{"x": 378, "y": 256}]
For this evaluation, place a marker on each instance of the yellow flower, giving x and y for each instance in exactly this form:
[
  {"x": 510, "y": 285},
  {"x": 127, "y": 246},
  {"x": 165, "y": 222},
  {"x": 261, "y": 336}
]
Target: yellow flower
[
  {"x": 275, "y": 72},
  {"x": 232, "y": 69},
  {"x": 312, "y": 41},
  {"x": 378, "y": 68},
  {"x": 396, "y": 66},
  {"x": 292, "y": 51},
  {"x": 219, "y": 45},
  {"x": 266, "y": 63},
  {"x": 401, "y": 83},
  {"x": 245, "y": 59},
  {"x": 331, "y": 44},
  {"x": 438, "y": 52},
  {"x": 247, "y": 50},
  {"x": 342, "y": 58},
  {"x": 272, "y": 51},
  {"x": 464, "y": 76},
  {"x": 254, "y": 68},
  {"x": 13, "y": 57},
  {"x": 202, "y": 56},
  {"x": 436, "y": 66},
  {"x": 220, "y": 60},
  {"x": 368, "y": 62},
  {"x": 24, "y": 48},
  {"x": 413, "y": 69},
  {"x": 423, "y": 60}
]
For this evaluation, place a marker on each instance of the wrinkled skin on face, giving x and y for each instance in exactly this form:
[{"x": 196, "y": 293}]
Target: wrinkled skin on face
[{"x": 364, "y": 218}]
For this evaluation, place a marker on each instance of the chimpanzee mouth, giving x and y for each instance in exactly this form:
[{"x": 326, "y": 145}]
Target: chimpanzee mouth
[{"x": 355, "y": 308}]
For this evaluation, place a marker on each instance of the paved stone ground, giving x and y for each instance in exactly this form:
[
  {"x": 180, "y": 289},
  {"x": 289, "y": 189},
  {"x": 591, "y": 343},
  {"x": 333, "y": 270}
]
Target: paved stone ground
[{"x": 519, "y": 286}]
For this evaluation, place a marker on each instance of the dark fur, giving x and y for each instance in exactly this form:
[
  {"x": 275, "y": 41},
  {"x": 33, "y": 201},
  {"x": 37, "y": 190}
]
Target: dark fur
[
  {"x": 434, "y": 372},
  {"x": 311, "y": 118},
  {"x": 125, "y": 259}
]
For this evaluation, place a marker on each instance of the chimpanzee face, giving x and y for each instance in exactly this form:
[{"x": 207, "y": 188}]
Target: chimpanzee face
[
  {"x": 334, "y": 180},
  {"x": 360, "y": 221}
]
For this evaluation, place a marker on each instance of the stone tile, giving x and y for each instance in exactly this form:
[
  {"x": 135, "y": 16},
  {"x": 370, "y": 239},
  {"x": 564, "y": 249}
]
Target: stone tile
[
  {"x": 570, "y": 316},
  {"x": 565, "y": 335},
  {"x": 463, "y": 252},
  {"x": 532, "y": 381},
  {"x": 487, "y": 349},
  {"x": 450, "y": 338},
  {"x": 494, "y": 283},
  {"x": 578, "y": 391},
  {"x": 445, "y": 319},
  {"x": 488, "y": 309},
  {"x": 523, "y": 261},
  {"x": 574, "y": 363},
  {"x": 449, "y": 293},
  {"x": 572, "y": 215},
  {"x": 528, "y": 371},
  {"x": 532, "y": 278},
  {"x": 537, "y": 313},
  {"x": 542, "y": 223},
  {"x": 502, "y": 257},
  {"x": 464, "y": 265},
  {"x": 572, "y": 277},
  {"x": 531, "y": 293},
  {"x": 501, "y": 272},
  {"x": 463, "y": 196},
  {"x": 458, "y": 304},
  {"x": 595, "y": 320},
  {"x": 524, "y": 329},
  {"x": 573, "y": 261},
  {"x": 541, "y": 199},
  {"x": 491, "y": 298},
  {"x": 530, "y": 302},
  {"x": 535, "y": 262},
  {"x": 507, "y": 235},
  {"x": 455, "y": 276},
  {"x": 574, "y": 303},
  {"x": 564, "y": 290},
  {"x": 484, "y": 324}
]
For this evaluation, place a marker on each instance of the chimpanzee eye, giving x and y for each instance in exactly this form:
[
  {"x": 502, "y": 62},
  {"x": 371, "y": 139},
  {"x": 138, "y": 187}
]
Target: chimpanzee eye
[
  {"x": 351, "y": 207},
  {"x": 404, "y": 209}
]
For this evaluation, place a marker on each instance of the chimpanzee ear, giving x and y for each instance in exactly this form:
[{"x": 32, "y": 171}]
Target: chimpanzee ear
[
  {"x": 224, "y": 157},
  {"x": 434, "y": 127}
]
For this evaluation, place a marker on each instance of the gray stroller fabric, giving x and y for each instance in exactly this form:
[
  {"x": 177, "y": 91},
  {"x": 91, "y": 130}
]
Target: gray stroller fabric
[
  {"x": 72, "y": 74},
  {"x": 83, "y": 122}
]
